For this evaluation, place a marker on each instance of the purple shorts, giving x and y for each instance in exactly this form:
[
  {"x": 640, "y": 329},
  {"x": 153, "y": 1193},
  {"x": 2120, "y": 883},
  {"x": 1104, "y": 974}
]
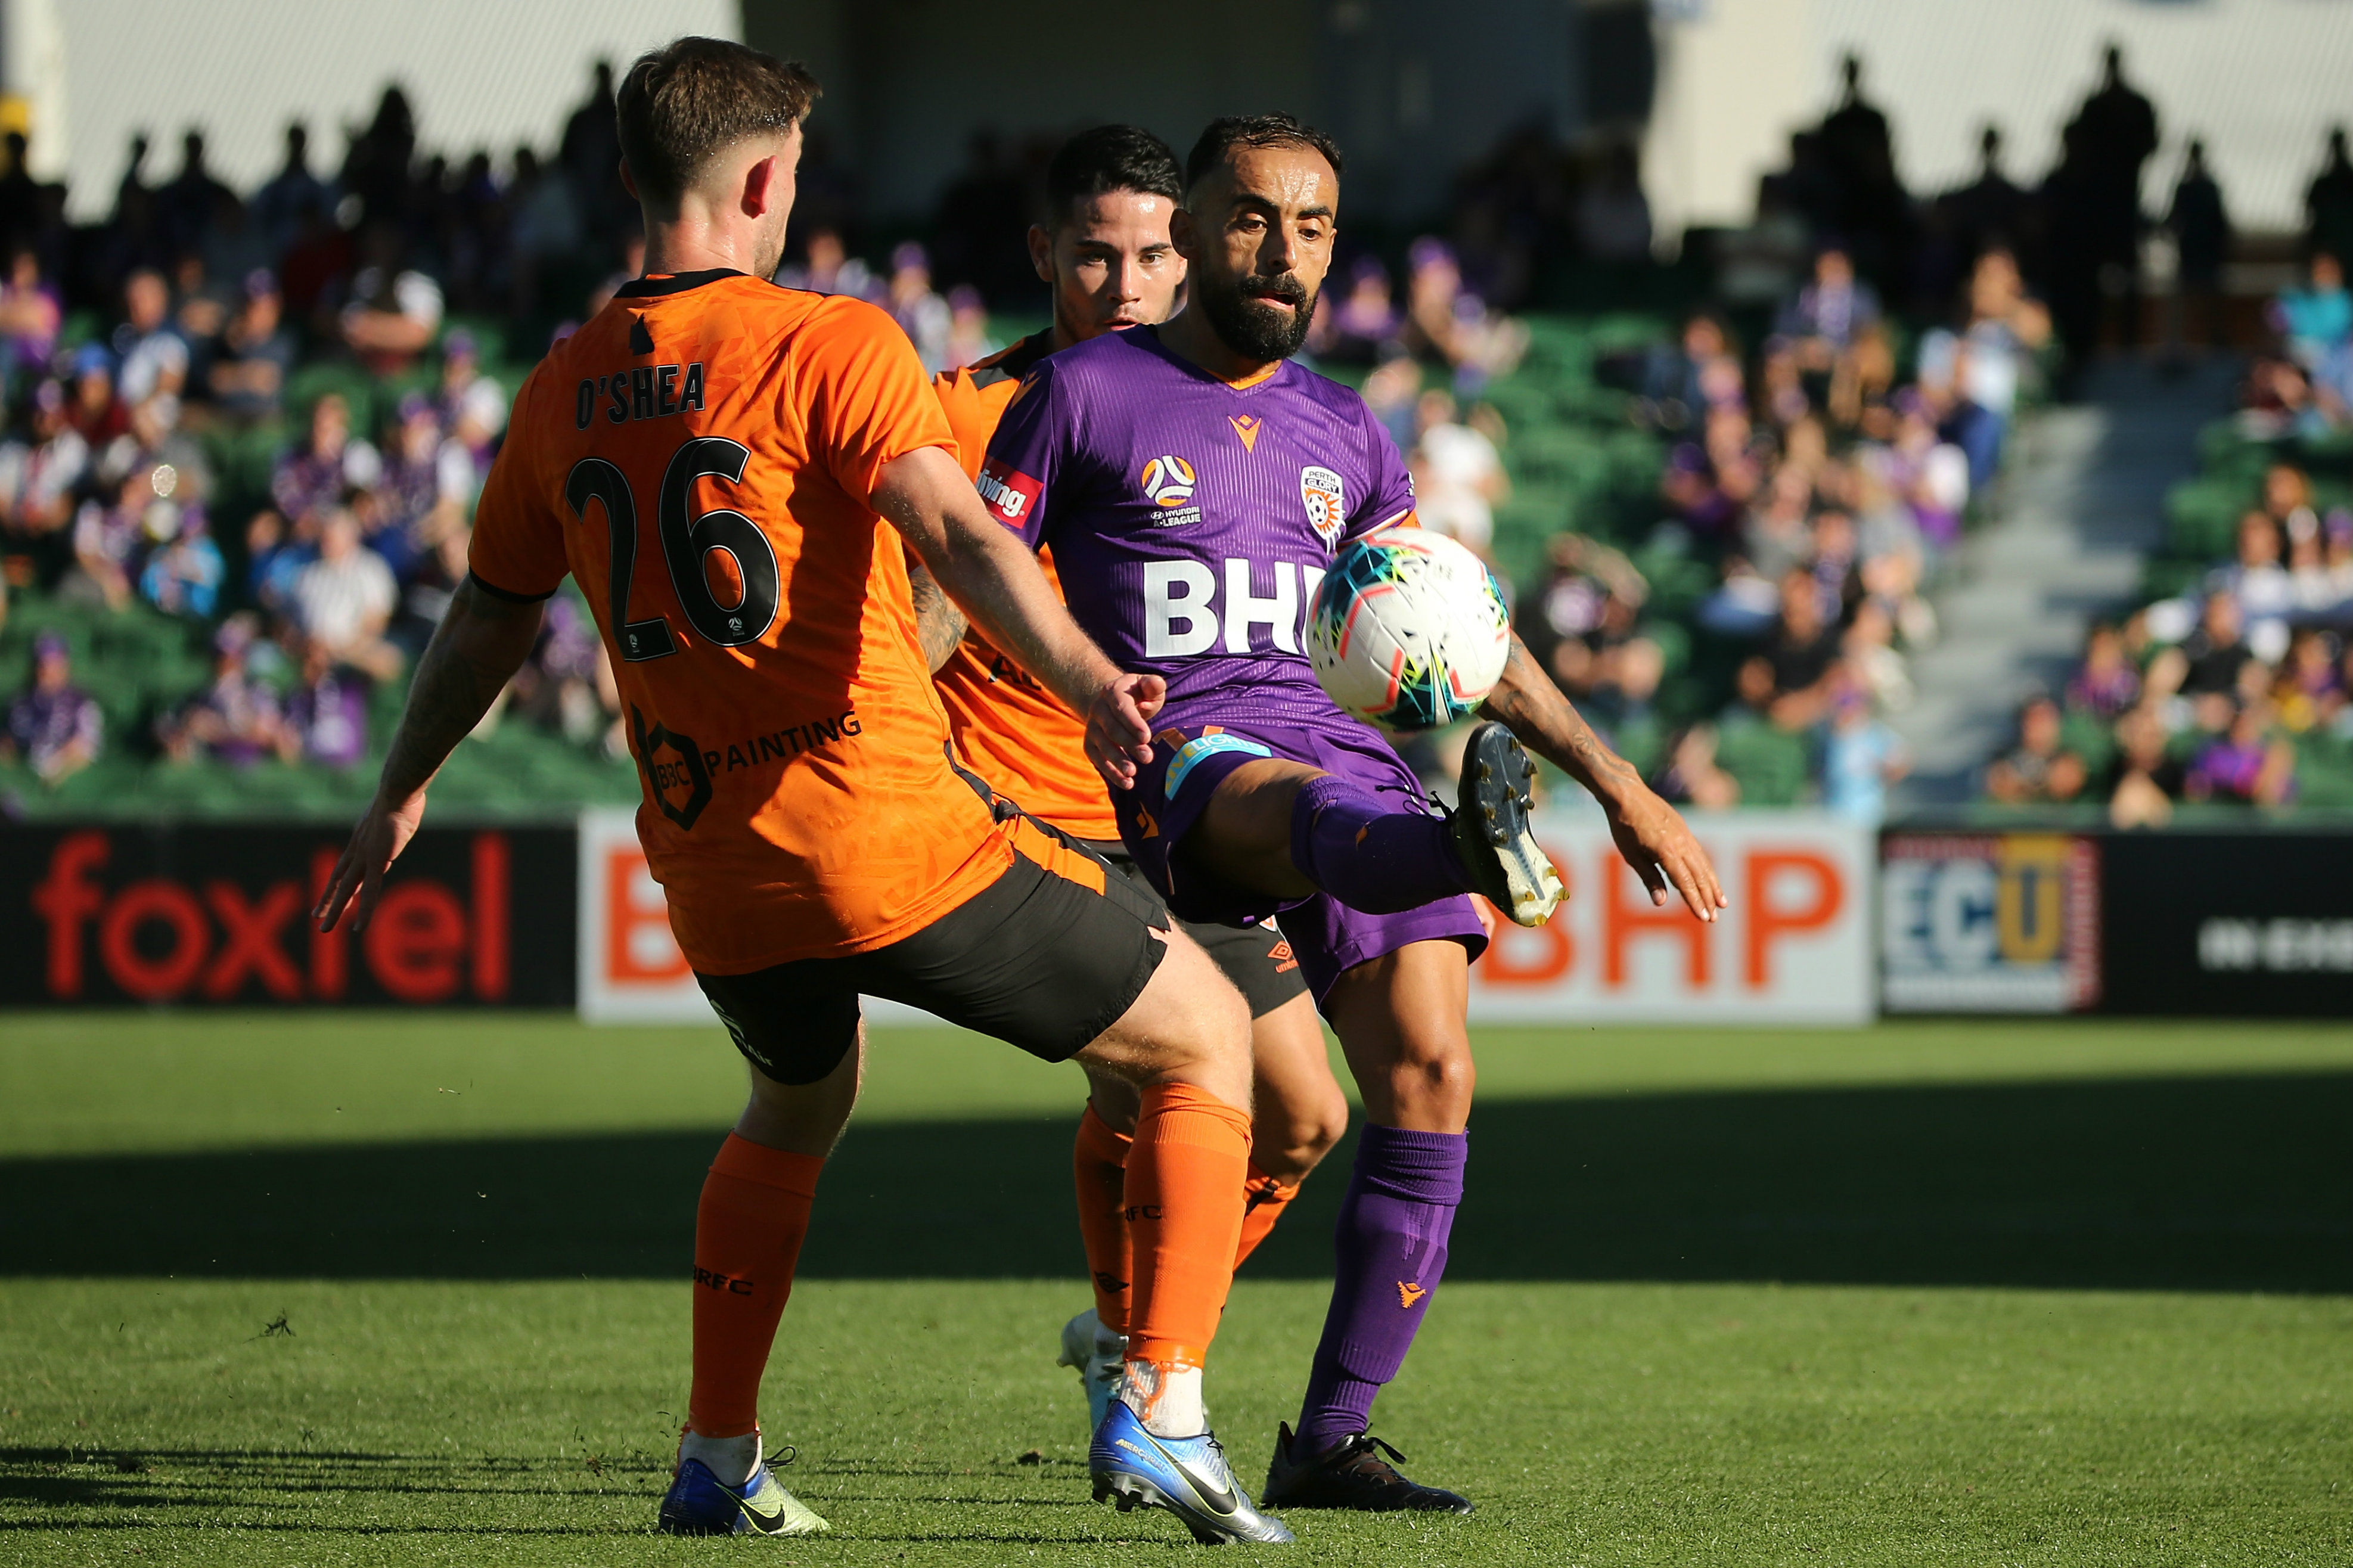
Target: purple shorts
[{"x": 1328, "y": 938}]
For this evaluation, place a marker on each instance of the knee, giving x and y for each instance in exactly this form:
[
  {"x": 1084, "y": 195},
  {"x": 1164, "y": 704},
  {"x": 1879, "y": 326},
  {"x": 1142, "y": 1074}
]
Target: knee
[
  {"x": 1433, "y": 1087},
  {"x": 1291, "y": 1137}
]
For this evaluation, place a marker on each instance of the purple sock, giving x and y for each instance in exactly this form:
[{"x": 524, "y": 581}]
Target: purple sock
[
  {"x": 1368, "y": 854},
  {"x": 1390, "y": 1248}
]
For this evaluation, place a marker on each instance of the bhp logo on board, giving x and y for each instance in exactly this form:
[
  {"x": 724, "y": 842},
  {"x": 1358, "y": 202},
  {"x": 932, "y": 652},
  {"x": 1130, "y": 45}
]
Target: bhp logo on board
[{"x": 243, "y": 934}]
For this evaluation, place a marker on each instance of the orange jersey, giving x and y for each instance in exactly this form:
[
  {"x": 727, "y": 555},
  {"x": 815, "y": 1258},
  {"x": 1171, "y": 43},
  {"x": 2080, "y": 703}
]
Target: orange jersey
[
  {"x": 701, "y": 458},
  {"x": 1016, "y": 734}
]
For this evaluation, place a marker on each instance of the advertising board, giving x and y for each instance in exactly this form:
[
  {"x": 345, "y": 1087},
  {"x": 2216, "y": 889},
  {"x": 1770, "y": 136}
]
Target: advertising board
[
  {"x": 2235, "y": 923},
  {"x": 216, "y": 914},
  {"x": 1794, "y": 947},
  {"x": 1990, "y": 923}
]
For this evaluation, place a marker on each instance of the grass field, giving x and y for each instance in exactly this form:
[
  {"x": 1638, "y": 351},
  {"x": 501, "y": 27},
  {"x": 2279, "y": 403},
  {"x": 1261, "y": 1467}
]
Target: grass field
[{"x": 312, "y": 1290}]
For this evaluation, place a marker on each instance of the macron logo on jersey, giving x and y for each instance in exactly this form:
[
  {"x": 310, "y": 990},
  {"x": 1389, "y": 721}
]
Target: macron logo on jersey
[{"x": 1008, "y": 491}]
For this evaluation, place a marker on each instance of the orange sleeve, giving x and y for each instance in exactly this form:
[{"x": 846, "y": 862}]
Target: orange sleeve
[
  {"x": 972, "y": 413},
  {"x": 868, "y": 399},
  {"x": 517, "y": 541}
]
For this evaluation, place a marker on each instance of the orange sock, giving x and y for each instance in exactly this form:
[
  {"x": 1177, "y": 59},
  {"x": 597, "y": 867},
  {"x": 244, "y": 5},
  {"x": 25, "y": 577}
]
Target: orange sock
[
  {"x": 1263, "y": 1198},
  {"x": 1185, "y": 1174},
  {"x": 1099, "y": 1169},
  {"x": 747, "y": 1237}
]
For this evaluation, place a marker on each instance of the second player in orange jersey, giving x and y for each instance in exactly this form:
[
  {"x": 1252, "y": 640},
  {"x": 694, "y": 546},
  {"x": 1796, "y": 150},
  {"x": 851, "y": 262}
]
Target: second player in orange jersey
[{"x": 1106, "y": 250}]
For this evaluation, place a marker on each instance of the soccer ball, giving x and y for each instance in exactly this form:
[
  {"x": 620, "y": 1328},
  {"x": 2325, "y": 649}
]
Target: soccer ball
[{"x": 1407, "y": 630}]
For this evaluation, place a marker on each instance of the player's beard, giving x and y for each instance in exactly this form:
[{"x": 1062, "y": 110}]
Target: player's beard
[{"x": 1249, "y": 326}]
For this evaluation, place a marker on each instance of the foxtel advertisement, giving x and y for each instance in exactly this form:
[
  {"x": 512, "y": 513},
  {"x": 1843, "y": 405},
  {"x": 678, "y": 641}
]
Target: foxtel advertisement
[
  {"x": 1794, "y": 948},
  {"x": 218, "y": 915}
]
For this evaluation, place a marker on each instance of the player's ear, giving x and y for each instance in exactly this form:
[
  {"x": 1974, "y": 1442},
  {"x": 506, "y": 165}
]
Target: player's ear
[
  {"x": 761, "y": 187},
  {"x": 1182, "y": 234},
  {"x": 1041, "y": 253},
  {"x": 629, "y": 181}
]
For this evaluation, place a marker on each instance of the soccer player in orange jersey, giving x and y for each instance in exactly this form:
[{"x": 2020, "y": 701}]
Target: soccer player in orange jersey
[
  {"x": 714, "y": 458},
  {"x": 1106, "y": 250}
]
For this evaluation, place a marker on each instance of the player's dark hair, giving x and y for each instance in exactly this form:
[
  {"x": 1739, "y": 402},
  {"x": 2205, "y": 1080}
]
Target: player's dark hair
[
  {"x": 1111, "y": 158},
  {"x": 1222, "y": 136},
  {"x": 692, "y": 99}
]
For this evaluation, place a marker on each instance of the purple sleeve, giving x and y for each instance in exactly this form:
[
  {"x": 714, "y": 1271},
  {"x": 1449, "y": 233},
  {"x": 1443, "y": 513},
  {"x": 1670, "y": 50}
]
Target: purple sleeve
[
  {"x": 1020, "y": 470},
  {"x": 1388, "y": 496}
]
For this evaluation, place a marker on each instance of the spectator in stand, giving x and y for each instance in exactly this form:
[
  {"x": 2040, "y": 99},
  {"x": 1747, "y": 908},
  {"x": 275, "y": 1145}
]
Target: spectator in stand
[
  {"x": 970, "y": 341},
  {"x": 1613, "y": 216},
  {"x": 273, "y": 560},
  {"x": 237, "y": 719},
  {"x": 1584, "y": 624},
  {"x": 326, "y": 713},
  {"x": 2200, "y": 227},
  {"x": 154, "y": 357},
  {"x": 1362, "y": 326},
  {"x": 2261, "y": 587},
  {"x": 1391, "y": 394},
  {"x": 829, "y": 269},
  {"x": 2328, "y": 201},
  {"x": 184, "y": 570},
  {"x": 918, "y": 309},
  {"x": 2317, "y": 319},
  {"x": 2038, "y": 769},
  {"x": 54, "y": 727},
  {"x": 1711, "y": 482},
  {"x": 409, "y": 513},
  {"x": 247, "y": 376},
  {"x": 1829, "y": 312},
  {"x": 394, "y": 308},
  {"x": 2243, "y": 764},
  {"x": 2310, "y": 690},
  {"x": 1446, "y": 322},
  {"x": 1683, "y": 385},
  {"x": 2217, "y": 652},
  {"x": 30, "y": 317},
  {"x": 1861, "y": 755},
  {"x": 1802, "y": 650},
  {"x": 37, "y": 483},
  {"x": 1458, "y": 476},
  {"x": 568, "y": 682},
  {"x": 315, "y": 476},
  {"x": 110, "y": 539},
  {"x": 2148, "y": 779},
  {"x": 277, "y": 207},
  {"x": 1972, "y": 380},
  {"x": 2107, "y": 684},
  {"x": 344, "y": 600},
  {"x": 1927, "y": 474},
  {"x": 1691, "y": 777},
  {"x": 97, "y": 415}
]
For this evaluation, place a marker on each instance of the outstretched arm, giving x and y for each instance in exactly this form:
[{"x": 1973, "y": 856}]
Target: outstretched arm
[
  {"x": 1650, "y": 833},
  {"x": 481, "y": 641},
  {"x": 995, "y": 580}
]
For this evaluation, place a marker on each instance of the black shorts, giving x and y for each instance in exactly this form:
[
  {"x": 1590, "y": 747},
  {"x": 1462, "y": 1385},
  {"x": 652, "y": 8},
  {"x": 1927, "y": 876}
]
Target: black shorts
[
  {"x": 1256, "y": 958},
  {"x": 1046, "y": 957}
]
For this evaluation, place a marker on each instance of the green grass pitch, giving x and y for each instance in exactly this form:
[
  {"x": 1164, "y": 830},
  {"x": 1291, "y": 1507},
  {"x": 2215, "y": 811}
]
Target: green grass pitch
[{"x": 309, "y": 1289}]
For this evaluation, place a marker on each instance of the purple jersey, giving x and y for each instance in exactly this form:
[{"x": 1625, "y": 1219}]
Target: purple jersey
[{"x": 1190, "y": 519}]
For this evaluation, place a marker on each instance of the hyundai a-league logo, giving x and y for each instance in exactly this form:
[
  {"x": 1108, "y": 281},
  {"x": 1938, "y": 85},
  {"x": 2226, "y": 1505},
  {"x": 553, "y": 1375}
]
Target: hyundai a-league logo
[
  {"x": 1327, "y": 511},
  {"x": 1169, "y": 481}
]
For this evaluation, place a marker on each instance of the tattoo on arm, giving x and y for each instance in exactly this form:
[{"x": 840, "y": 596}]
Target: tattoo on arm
[
  {"x": 939, "y": 624},
  {"x": 481, "y": 641},
  {"x": 1532, "y": 706}
]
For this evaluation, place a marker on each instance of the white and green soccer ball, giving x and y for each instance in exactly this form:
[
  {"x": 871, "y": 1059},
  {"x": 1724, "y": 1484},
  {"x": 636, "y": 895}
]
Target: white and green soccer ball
[{"x": 1407, "y": 630}]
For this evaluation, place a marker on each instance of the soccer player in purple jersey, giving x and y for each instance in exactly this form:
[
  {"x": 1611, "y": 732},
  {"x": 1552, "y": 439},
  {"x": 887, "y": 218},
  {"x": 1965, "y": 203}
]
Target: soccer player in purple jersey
[{"x": 1193, "y": 484}]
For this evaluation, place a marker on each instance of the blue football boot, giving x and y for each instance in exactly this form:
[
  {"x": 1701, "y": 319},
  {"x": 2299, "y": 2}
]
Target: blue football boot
[
  {"x": 699, "y": 1503},
  {"x": 1187, "y": 1475}
]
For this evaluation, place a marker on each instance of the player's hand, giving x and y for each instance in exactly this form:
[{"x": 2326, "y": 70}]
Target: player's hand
[
  {"x": 375, "y": 844},
  {"x": 1119, "y": 726},
  {"x": 1657, "y": 842}
]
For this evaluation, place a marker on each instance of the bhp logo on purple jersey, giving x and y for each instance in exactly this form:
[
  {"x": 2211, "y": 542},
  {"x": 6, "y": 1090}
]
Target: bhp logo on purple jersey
[
  {"x": 1009, "y": 490},
  {"x": 1185, "y": 613}
]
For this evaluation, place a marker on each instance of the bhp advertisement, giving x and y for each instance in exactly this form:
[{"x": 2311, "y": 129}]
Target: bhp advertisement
[
  {"x": 1794, "y": 947},
  {"x": 217, "y": 914}
]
